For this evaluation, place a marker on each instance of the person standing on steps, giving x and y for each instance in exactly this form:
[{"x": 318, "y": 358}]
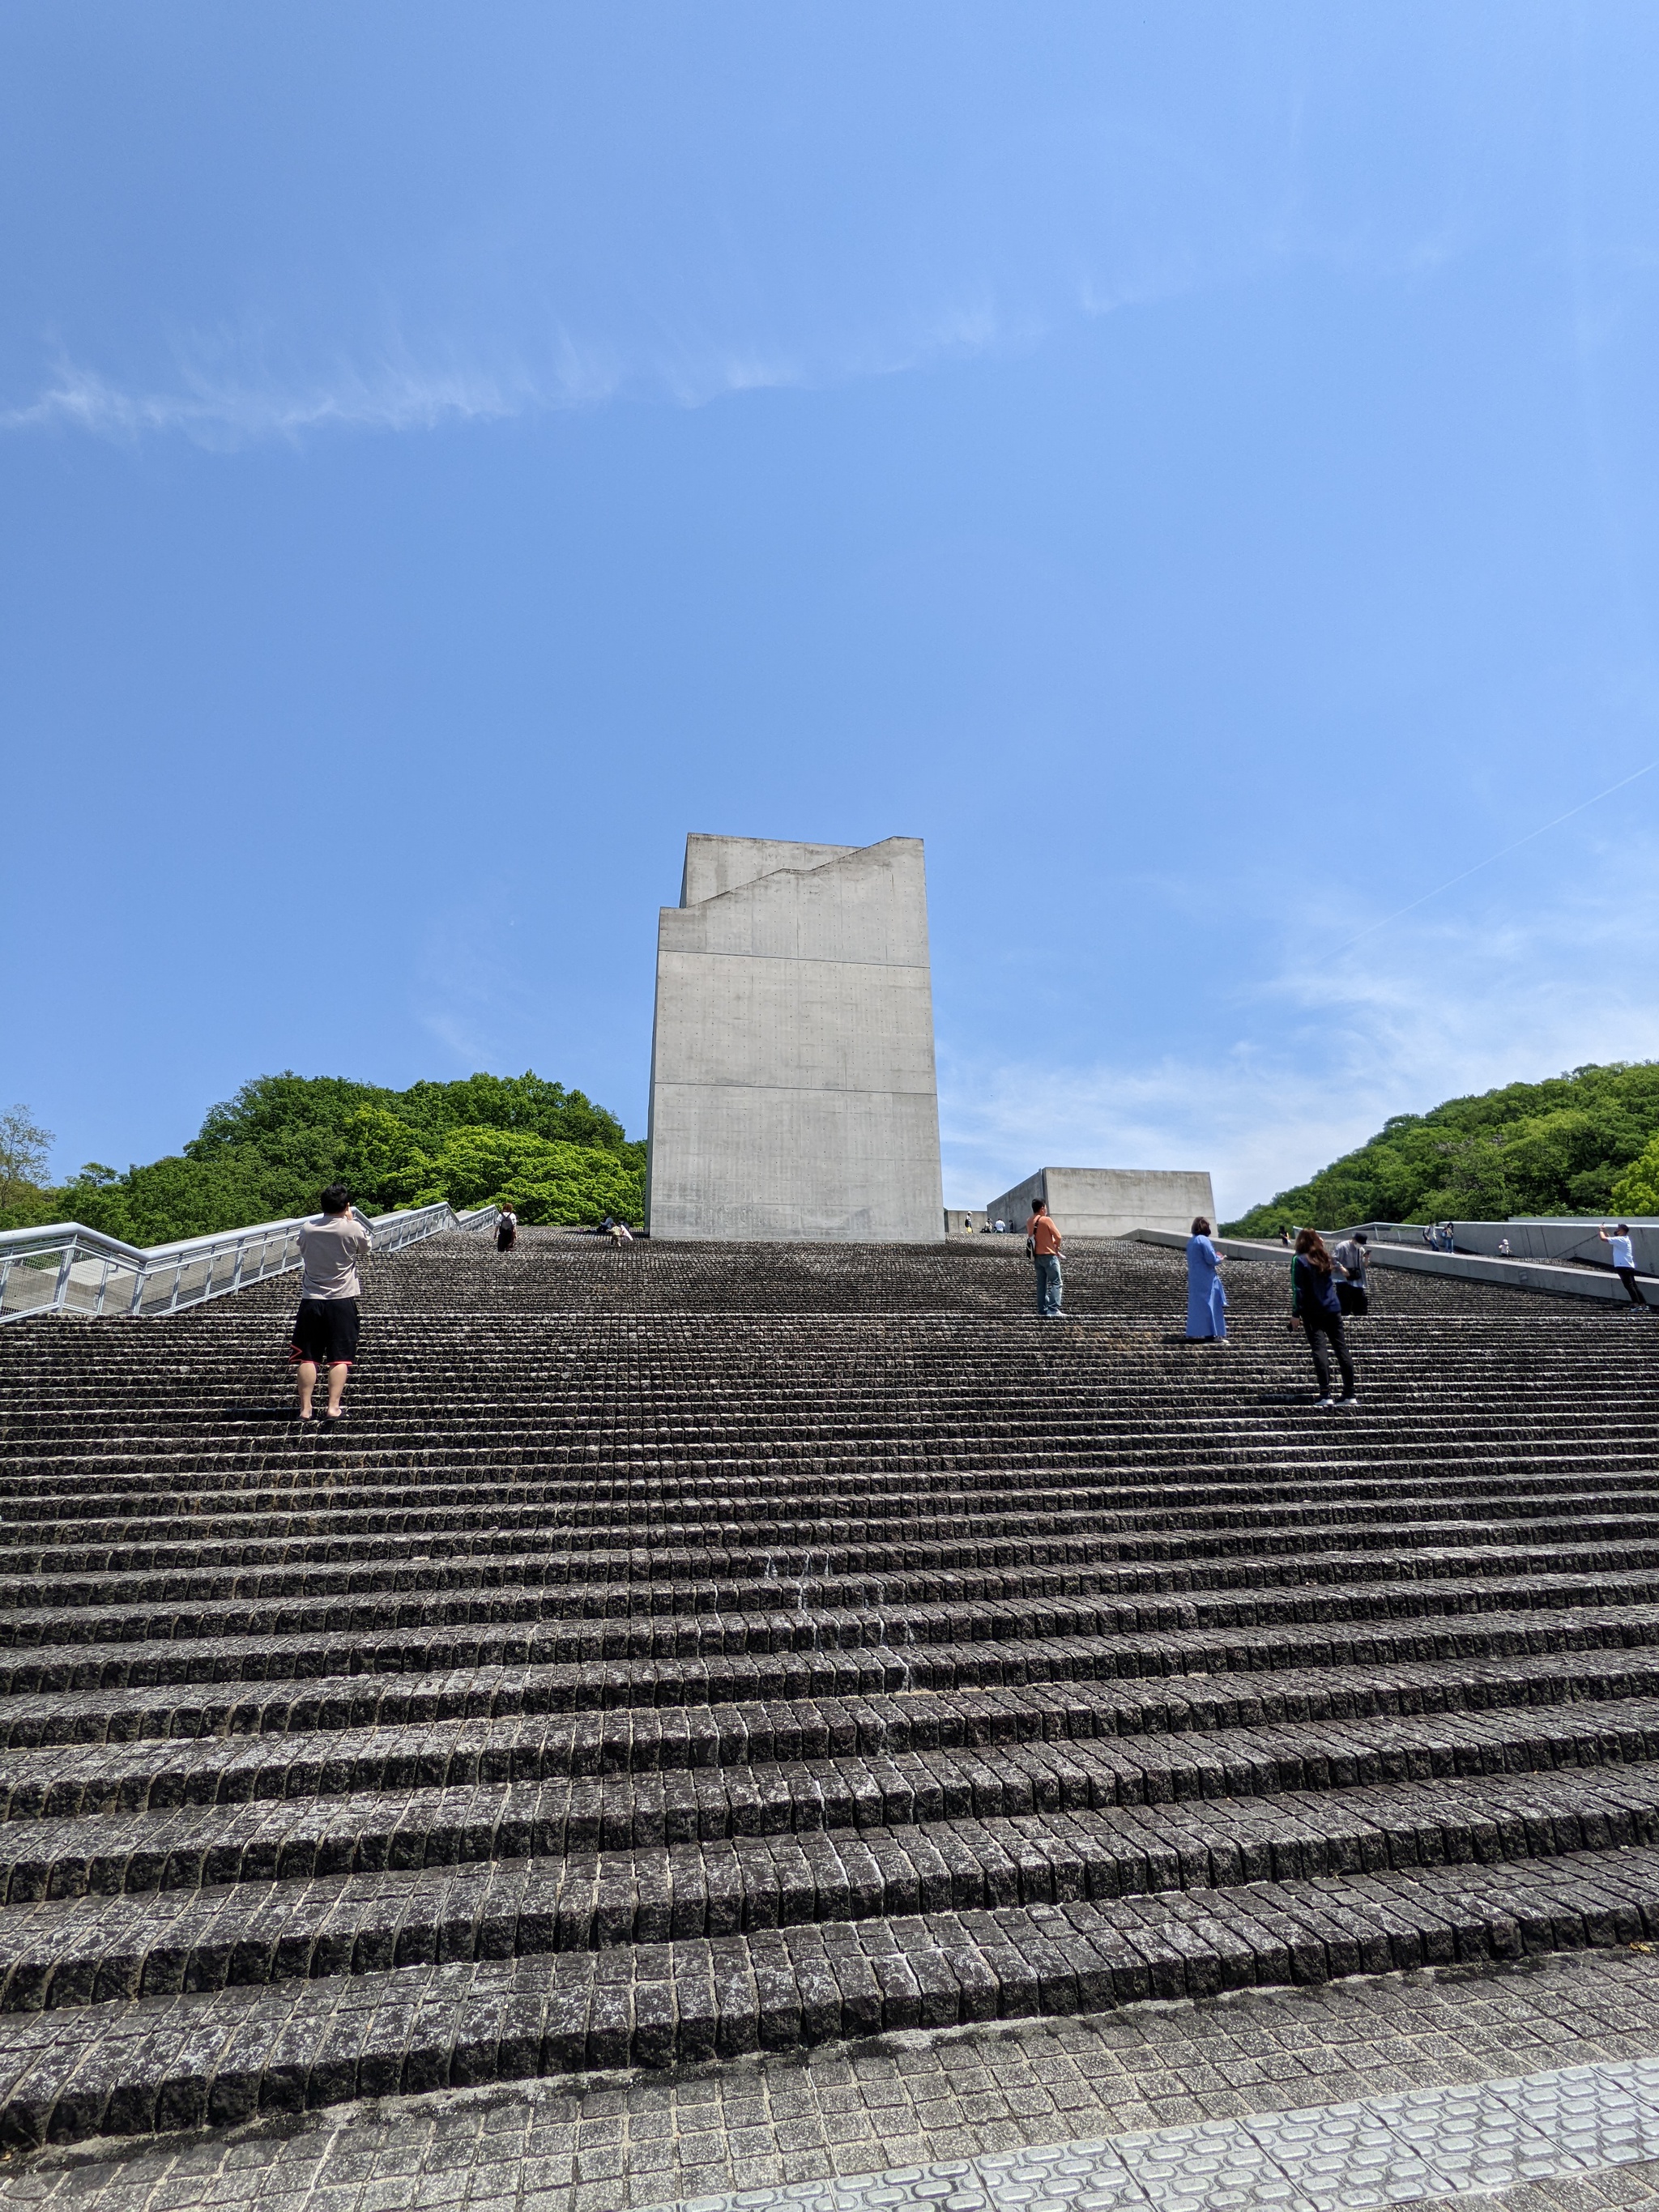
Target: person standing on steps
[
  {"x": 1206, "y": 1301},
  {"x": 325, "y": 1326},
  {"x": 1044, "y": 1244},
  {"x": 1315, "y": 1307},
  {"x": 1624, "y": 1262},
  {"x": 1353, "y": 1289},
  {"x": 506, "y": 1227}
]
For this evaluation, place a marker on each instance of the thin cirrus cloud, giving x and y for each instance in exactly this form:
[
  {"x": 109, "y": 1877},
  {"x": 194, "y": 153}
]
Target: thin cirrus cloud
[
  {"x": 1441, "y": 1006},
  {"x": 397, "y": 388},
  {"x": 233, "y": 410}
]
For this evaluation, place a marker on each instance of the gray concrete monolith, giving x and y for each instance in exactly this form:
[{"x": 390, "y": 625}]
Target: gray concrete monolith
[{"x": 793, "y": 1086}]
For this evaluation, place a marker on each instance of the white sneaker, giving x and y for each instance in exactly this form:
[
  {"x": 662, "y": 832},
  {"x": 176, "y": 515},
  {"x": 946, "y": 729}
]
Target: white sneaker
[
  {"x": 1323, "y": 1405},
  {"x": 1350, "y": 1400}
]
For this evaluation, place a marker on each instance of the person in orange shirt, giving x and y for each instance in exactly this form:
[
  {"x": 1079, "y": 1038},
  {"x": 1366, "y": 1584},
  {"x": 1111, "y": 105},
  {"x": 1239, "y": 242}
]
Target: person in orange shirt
[{"x": 1042, "y": 1241}]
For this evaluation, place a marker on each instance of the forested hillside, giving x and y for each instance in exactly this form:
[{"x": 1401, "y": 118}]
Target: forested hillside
[
  {"x": 1582, "y": 1142},
  {"x": 266, "y": 1152}
]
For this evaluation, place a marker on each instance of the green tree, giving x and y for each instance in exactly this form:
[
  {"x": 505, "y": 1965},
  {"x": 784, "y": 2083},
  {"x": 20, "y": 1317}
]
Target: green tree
[
  {"x": 1637, "y": 1191},
  {"x": 1554, "y": 1147},
  {"x": 26, "y": 1202},
  {"x": 266, "y": 1152},
  {"x": 548, "y": 1181},
  {"x": 379, "y": 1159},
  {"x": 172, "y": 1198}
]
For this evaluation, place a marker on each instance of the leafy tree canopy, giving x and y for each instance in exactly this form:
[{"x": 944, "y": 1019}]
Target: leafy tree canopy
[
  {"x": 265, "y": 1154},
  {"x": 1566, "y": 1146},
  {"x": 1637, "y": 1191},
  {"x": 24, "y": 1148}
]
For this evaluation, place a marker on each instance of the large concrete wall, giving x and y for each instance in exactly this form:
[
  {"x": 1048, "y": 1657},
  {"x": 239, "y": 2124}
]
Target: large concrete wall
[
  {"x": 792, "y": 1088},
  {"x": 1111, "y": 1201}
]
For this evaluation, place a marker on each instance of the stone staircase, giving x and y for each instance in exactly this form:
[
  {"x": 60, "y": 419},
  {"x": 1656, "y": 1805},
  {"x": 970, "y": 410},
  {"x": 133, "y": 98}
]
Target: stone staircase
[{"x": 687, "y": 1650}]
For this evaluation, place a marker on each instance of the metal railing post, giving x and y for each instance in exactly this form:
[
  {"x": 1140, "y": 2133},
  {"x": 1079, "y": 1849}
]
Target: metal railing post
[{"x": 64, "y": 1268}]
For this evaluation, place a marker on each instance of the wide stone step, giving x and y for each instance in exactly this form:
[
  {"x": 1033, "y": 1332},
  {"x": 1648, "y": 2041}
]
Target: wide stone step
[
  {"x": 536, "y": 1629},
  {"x": 120, "y": 1851},
  {"x": 1194, "y": 1719},
  {"x": 43, "y": 1608},
  {"x": 1338, "y": 1470},
  {"x": 1181, "y": 1724},
  {"x": 220, "y": 2057},
  {"x": 45, "y": 1573},
  {"x": 98, "y": 1950},
  {"x": 190, "y": 1707},
  {"x": 855, "y": 1611}
]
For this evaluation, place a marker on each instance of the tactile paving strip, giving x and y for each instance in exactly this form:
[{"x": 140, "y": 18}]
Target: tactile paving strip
[{"x": 1484, "y": 2136}]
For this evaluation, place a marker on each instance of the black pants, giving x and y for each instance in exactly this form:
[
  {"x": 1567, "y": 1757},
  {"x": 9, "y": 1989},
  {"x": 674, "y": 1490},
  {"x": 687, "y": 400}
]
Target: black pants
[
  {"x": 1627, "y": 1277},
  {"x": 1319, "y": 1326}
]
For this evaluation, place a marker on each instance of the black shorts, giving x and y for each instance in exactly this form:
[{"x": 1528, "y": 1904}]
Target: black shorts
[
  {"x": 326, "y": 1329},
  {"x": 1354, "y": 1297}
]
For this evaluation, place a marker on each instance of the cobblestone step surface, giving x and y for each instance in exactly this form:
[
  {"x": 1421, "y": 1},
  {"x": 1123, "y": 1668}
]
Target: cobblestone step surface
[
  {"x": 218, "y": 2057},
  {"x": 552, "y": 1894},
  {"x": 748, "y": 1648},
  {"x": 72, "y": 1572},
  {"x": 1315, "y": 1728},
  {"x": 276, "y": 1835}
]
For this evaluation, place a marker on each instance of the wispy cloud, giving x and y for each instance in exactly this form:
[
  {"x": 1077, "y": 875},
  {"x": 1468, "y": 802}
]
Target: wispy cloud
[
  {"x": 1431, "y": 1008},
  {"x": 223, "y": 394},
  {"x": 468, "y": 991},
  {"x": 235, "y": 410}
]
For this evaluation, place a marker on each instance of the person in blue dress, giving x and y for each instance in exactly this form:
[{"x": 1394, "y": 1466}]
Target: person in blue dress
[{"x": 1207, "y": 1302}]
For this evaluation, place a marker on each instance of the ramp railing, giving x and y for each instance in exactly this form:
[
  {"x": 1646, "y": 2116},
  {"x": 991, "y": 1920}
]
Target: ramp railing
[{"x": 66, "y": 1267}]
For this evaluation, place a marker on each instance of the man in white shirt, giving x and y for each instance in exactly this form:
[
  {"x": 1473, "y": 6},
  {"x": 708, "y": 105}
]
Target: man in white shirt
[
  {"x": 325, "y": 1326},
  {"x": 1624, "y": 1262},
  {"x": 1354, "y": 1289}
]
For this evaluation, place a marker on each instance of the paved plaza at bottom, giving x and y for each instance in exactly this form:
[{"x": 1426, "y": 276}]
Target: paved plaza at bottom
[{"x": 1532, "y": 2085}]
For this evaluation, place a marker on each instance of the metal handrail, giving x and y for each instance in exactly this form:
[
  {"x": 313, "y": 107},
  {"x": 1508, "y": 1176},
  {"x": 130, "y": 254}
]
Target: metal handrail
[{"x": 65, "y": 1267}]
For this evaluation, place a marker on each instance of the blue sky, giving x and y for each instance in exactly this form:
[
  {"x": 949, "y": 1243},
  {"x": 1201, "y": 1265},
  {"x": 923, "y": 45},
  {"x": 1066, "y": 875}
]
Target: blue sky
[{"x": 1193, "y": 465}]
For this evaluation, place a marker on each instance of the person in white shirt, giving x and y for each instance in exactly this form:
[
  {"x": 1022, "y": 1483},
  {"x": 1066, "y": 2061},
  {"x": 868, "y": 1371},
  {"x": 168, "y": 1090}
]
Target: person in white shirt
[
  {"x": 325, "y": 1326},
  {"x": 1624, "y": 1262}
]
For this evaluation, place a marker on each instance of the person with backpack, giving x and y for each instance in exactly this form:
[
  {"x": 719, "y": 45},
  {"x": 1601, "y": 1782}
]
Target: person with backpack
[
  {"x": 1314, "y": 1307},
  {"x": 1206, "y": 1301},
  {"x": 506, "y": 1227},
  {"x": 1350, "y": 1258}
]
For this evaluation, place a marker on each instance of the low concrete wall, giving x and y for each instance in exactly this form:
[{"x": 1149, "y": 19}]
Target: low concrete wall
[
  {"x": 1111, "y": 1201},
  {"x": 1461, "y": 1266},
  {"x": 962, "y": 1221},
  {"x": 1543, "y": 1236}
]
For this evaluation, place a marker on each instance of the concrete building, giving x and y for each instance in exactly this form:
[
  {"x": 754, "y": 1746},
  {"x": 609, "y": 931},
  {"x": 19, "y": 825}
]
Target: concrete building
[
  {"x": 1109, "y": 1201},
  {"x": 793, "y": 1090}
]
